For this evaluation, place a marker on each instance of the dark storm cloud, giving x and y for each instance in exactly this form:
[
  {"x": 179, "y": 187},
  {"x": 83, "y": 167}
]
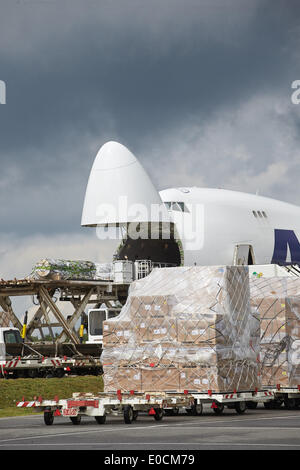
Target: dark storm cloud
[{"x": 79, "y": 73}]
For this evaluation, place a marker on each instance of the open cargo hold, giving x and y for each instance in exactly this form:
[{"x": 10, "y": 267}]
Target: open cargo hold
[
  {"x": 277, "y": 303},
  {"x": 184, "y": 328}
]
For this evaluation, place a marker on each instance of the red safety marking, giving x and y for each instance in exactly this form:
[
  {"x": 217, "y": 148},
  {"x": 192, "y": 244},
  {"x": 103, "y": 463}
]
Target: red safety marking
[
  {"x": 26, "y": 404},
  {"x": 77, "y": 403},
  {"x": 148, "y": 397},
  {"x": 57, "y": 412},
  {"x": 131, "y": 392},
  {"x": 152, "y": 411},
  {"x": 214, "y": 405},
  {"x": 185, "y": 392},
  {"x": 278, "y": 386},
  {"x": 209, "y": 392}
]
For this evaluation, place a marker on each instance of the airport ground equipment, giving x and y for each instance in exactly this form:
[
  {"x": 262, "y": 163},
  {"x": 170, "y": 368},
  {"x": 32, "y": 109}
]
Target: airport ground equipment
[
  {"x": 289, "y": 397},
  {"x": 22, "y": 356},
  {"x": 129, "y": 404},
  {"x": 239, "y": 401}
]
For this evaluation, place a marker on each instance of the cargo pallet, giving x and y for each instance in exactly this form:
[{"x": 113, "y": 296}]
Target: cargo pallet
[{"x": 129, "y": 404}]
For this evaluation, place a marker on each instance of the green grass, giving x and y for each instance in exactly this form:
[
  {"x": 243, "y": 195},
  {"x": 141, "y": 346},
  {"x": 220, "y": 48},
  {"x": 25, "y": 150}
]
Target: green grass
[{"x": 13, "y": 390}]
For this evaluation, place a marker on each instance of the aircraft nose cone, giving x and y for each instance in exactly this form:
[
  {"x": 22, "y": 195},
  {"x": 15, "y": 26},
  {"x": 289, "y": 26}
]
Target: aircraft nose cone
[
  {"x": 120, "y": 191},
  {"x": 113, "y": 155}
]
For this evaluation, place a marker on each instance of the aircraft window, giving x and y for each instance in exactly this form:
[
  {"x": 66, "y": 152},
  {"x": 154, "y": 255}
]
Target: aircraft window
[
  {"x": 168, "y": 205},
  {"x": 175, "y": 207},
  {"x": 259, "y": 213},
  {"x": 264, "y": 214},
  {"x": 254, "y": 213},
  {"x": 181, "y": 205}
]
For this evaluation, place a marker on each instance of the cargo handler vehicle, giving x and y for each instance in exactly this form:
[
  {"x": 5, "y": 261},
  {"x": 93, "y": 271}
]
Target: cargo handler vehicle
[{"x": 129, "y": 404}]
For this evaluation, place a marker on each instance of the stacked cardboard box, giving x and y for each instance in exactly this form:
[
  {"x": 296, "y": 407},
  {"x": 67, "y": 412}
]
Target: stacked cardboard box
[
  {"x": 276, "y": 301},
  {"x": 187, "y": 328}
]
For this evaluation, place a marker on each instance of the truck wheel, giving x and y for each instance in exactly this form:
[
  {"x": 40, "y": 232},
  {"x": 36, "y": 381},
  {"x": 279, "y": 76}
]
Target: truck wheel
[
  {"x": 159, "y": 413},
  {"x": 32, "y": 374},
  {"x": 128, "y": 414},
  {"x": 75, "y": 419},
  {"x": 219, "y": 409},
  {"x": 240, "y": 407},
  {"x": 48, "y": 417},
  {"x": 251, "y": 405},
  {"x": 59, "y": 373},
  {"x": 100, "y": 419}
]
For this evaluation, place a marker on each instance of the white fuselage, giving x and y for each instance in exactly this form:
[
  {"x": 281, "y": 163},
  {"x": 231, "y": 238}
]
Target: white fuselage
[
  {"x": 214, "y": 222},
  {"x": 215, "y": 226}
]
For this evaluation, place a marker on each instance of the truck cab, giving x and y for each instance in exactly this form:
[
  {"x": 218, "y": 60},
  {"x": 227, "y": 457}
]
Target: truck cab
[
  {"x": 96, "y": 317},
  {"x": 8, "y": 336}
]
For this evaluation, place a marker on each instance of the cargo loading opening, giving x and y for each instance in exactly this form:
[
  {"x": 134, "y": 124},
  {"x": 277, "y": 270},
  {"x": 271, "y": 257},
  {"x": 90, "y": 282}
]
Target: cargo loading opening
[{"x": 162, "y": 249}]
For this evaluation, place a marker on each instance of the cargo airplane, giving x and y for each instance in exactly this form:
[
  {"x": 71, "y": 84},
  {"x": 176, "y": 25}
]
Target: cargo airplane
[{"x": 186, "y": 225}]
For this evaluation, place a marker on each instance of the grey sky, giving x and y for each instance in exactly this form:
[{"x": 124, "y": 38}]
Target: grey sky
[{"x": 198, "y": 90}]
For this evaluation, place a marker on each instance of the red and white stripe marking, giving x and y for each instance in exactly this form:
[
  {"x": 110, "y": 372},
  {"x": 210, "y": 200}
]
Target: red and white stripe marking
[
  {"x": 26, "y": 404},
  {"x": 12, "y": 364}
]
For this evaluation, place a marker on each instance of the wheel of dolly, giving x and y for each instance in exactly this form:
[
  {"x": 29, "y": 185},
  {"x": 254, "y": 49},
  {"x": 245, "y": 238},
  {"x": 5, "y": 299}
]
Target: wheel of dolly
[
  {"x": 100, "y": 419},
  {"x": 220, "y": 408},
  {"x": 290, "y": 403},
  {"x": 240, "y": 407},
  {"x": 128, "y": 414},
  {"x": 159, "y": 414},
  {"x": 268, "y": 405},
  {"x": 196, "y": 409},
  {"x": 252, "y": 405},
  {"x": 48, "y": 417},
  {"x": 75, "y": 419},
  {"x": 135, "y": 415}
]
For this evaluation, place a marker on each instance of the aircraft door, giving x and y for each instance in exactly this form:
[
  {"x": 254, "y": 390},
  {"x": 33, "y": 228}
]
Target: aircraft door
[{"x": 243, "y": 255}]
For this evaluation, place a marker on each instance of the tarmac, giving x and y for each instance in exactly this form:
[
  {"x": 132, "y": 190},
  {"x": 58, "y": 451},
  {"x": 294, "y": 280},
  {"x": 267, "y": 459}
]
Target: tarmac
[{"x": 258, "y": 429}]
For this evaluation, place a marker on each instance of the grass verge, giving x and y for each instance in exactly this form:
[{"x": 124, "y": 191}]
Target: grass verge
[{"x": 13, "y": 390}]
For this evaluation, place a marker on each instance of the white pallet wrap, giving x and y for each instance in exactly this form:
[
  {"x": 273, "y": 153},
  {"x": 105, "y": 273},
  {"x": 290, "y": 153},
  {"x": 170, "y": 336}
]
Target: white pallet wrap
[
  {"x": 277, "y": 303},
  {"x": 184, "y": 328}
]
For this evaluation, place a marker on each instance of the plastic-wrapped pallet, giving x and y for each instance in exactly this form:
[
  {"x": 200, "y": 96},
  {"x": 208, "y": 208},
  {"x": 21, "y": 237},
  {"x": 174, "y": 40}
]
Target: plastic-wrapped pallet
[
  {"x": 277, "y": 303},
  {"x": 185, "y": 328},
  {"x": 57, "y": 269}
]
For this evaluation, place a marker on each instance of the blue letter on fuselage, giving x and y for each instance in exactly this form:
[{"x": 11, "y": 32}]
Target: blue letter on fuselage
[{"x": 283, "y": 239}]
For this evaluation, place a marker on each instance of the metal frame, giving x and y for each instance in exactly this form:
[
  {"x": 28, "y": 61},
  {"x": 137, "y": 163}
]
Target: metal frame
[{"x": 78, "y": 293}]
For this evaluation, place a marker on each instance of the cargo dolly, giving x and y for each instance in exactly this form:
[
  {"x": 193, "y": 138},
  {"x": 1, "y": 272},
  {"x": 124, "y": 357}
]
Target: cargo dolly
[
  {"x": 128, "y": 404},
  {"x": 288, "y": 396},
  {"x": 239, "y": 401}
]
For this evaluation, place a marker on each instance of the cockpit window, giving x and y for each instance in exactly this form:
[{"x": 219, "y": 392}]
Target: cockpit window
[{"x": 176, "y": 206}]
